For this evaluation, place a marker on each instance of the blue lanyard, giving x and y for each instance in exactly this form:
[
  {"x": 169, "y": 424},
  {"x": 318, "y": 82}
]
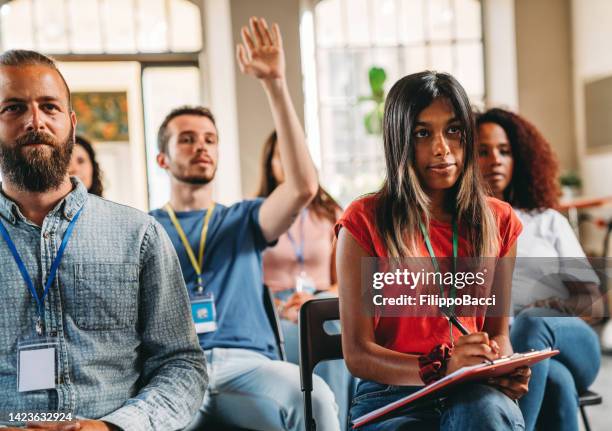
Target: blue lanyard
[
  {"x": 40, "y": 301},
  {"x": 299, "y": 250}
]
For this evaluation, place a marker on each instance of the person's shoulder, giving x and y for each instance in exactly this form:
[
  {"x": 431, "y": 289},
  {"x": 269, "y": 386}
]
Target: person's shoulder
[
  {"x": 158, "y": 213},
  {"x": 500, "y": 208},
  {"x": 365, "y": 206},
  {"x": 104, "y": 210},
  {"x": 239, "y": 208},
  {"x": 359, "y": 219},
  {"x": 554, "y": 221},
  {"x": 508, "y": 223},
  {"x": 548, "y": 218},
  {"x": 553, "y": 215}
]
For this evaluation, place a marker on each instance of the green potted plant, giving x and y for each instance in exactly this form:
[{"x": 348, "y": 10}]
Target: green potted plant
[
  {"x": 570, "y": 185},
  {"x": 373, "y": 119}
]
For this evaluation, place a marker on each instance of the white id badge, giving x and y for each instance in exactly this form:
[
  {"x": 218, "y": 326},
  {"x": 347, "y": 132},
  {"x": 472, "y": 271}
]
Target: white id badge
[
  {"x": 37, "y": 363},
  {"x": 204, "y": 313},
  {"x": 303, "y": 283}
]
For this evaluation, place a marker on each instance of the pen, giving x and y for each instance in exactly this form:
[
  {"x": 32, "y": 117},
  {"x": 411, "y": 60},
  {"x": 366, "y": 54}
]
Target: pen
[
  {"x": 453, "y": 319},
  {"x": 450, "y": 316}
]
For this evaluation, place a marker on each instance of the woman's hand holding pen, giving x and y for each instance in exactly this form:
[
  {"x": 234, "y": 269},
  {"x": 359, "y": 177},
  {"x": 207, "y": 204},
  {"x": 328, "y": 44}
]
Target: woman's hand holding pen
[{"x": 472, "y": 349}]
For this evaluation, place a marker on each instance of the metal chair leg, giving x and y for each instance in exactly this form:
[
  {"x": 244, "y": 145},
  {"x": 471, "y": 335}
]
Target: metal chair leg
[
  {"x": 585, "y": 419},
  {"x": 309, "y": 419}
]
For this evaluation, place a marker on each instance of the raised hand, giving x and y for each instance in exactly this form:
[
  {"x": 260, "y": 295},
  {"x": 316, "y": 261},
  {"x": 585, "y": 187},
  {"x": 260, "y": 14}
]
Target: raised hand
[{"x": 261, "y": 53}]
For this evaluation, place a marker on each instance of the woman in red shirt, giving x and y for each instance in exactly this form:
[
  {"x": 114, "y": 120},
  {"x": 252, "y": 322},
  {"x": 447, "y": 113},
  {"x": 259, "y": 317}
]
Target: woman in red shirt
[{"x": 432, "y": 192}]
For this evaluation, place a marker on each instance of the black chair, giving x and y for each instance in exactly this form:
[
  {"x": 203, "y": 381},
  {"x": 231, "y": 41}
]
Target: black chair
[
  {"x": 588, "y": 398},
  {"x": 316, "y": 345}
]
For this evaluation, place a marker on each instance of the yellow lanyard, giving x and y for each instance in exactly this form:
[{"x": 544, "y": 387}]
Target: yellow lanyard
[{"x": 197, "y": 264}]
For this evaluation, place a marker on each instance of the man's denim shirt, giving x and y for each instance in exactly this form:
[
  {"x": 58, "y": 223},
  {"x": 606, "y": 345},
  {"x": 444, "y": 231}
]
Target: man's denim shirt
[{"x": 128, "y": 352}]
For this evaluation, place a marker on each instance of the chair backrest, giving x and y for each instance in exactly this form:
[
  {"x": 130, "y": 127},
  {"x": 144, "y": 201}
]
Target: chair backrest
[
  {"x": 316, "y": 345},
  {"x": 272, "y": 313}
]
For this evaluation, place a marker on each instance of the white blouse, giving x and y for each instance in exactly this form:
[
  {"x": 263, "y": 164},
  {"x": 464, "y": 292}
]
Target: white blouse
[{"x": 548, "y": 253}]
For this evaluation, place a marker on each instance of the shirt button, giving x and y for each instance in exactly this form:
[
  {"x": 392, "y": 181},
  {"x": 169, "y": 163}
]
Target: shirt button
[{"x": 46, "y": 235}]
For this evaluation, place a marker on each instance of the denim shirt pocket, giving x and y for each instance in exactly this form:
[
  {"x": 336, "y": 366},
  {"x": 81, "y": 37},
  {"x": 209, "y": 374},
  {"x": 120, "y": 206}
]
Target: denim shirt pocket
[{"x": 106, "y": 295}]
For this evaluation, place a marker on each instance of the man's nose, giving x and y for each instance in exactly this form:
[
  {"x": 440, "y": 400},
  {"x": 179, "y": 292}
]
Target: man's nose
[
  {"x": 200, "y": 144},
  {"x": 35, "y": 121}
]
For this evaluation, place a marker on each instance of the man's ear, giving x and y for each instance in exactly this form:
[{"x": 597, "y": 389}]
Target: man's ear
[
  {"x": 73, "y": 120},
  {"x": 162, "y": 160}
]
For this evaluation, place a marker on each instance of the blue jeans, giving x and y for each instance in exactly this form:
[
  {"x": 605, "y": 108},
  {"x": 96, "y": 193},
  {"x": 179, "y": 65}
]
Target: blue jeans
[
  {"x": 552, "y": 400},
  {"x": 249, "y": 390},
  {"x": 473, "y": 407}
]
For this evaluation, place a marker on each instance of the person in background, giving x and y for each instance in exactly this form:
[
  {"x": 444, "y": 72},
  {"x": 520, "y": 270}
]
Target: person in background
[
  {"x": 84, "y": 166},
  {"x": 520, "y": 168},
  {"x": 430, "y": 206},
  {"x": 302, "y": 266},
  {"x": 94, "y": 319},
  {"x": 220, "y": 248}
]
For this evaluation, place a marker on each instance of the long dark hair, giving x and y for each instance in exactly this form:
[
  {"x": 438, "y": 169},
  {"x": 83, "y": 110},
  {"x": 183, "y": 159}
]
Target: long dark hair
[
  {"x": 534, "y": 183},
  {"x": 96, "y": 179},
  {"x": 402, "y": 199},
  {"x": 323, "y": 205}
]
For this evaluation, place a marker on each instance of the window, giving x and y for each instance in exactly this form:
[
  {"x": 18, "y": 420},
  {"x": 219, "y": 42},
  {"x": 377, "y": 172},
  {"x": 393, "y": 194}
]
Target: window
[
  {"x": 101, "y": 26},
  {"x": 400, "y": 36},
  {"x": 148, "y": 49}
]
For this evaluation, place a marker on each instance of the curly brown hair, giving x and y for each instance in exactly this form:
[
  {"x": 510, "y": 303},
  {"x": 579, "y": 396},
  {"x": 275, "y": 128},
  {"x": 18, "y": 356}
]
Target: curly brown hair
[{"x": 534, "y": 184}]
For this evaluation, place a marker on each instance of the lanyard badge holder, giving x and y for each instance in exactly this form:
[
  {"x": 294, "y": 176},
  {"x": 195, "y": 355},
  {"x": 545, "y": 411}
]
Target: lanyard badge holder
[
  {"x": 37, "y": 363},
  {"x": 38, "y": 355},
  {"x": 203, "y": 311},
  {"x": 449, "y": 312},
  {"x": 303, "y": 283}
]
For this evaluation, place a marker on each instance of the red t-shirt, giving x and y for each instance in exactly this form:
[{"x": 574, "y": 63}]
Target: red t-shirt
[{"x": 418, "y": 335}]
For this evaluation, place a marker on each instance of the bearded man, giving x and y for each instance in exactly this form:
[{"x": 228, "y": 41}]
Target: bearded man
[{"x": 95, "y": 330}]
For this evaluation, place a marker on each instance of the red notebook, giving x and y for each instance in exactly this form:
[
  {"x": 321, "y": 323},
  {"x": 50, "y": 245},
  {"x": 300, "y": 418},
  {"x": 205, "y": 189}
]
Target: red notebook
[{"x": 499, "y": 367}]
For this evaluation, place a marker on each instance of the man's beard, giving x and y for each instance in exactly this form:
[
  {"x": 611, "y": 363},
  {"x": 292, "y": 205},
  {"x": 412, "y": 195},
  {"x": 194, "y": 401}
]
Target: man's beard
[
  {"x": 201, "y": 179},
  {"x": 35, "y": 170}
]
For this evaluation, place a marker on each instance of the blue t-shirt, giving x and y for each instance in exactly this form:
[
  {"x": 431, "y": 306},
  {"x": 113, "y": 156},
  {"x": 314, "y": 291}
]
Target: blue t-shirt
[{"x": 232, "y": 272}]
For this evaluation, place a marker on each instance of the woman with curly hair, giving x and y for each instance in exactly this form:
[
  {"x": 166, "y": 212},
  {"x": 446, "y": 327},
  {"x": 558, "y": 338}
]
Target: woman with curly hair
[
  {"x": 84, "y": 166},
  {"x": 520, "y": 167}
]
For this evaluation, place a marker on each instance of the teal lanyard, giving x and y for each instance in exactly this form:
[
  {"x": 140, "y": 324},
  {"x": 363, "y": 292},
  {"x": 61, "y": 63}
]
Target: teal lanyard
[{"x": 434, "y": 261}]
